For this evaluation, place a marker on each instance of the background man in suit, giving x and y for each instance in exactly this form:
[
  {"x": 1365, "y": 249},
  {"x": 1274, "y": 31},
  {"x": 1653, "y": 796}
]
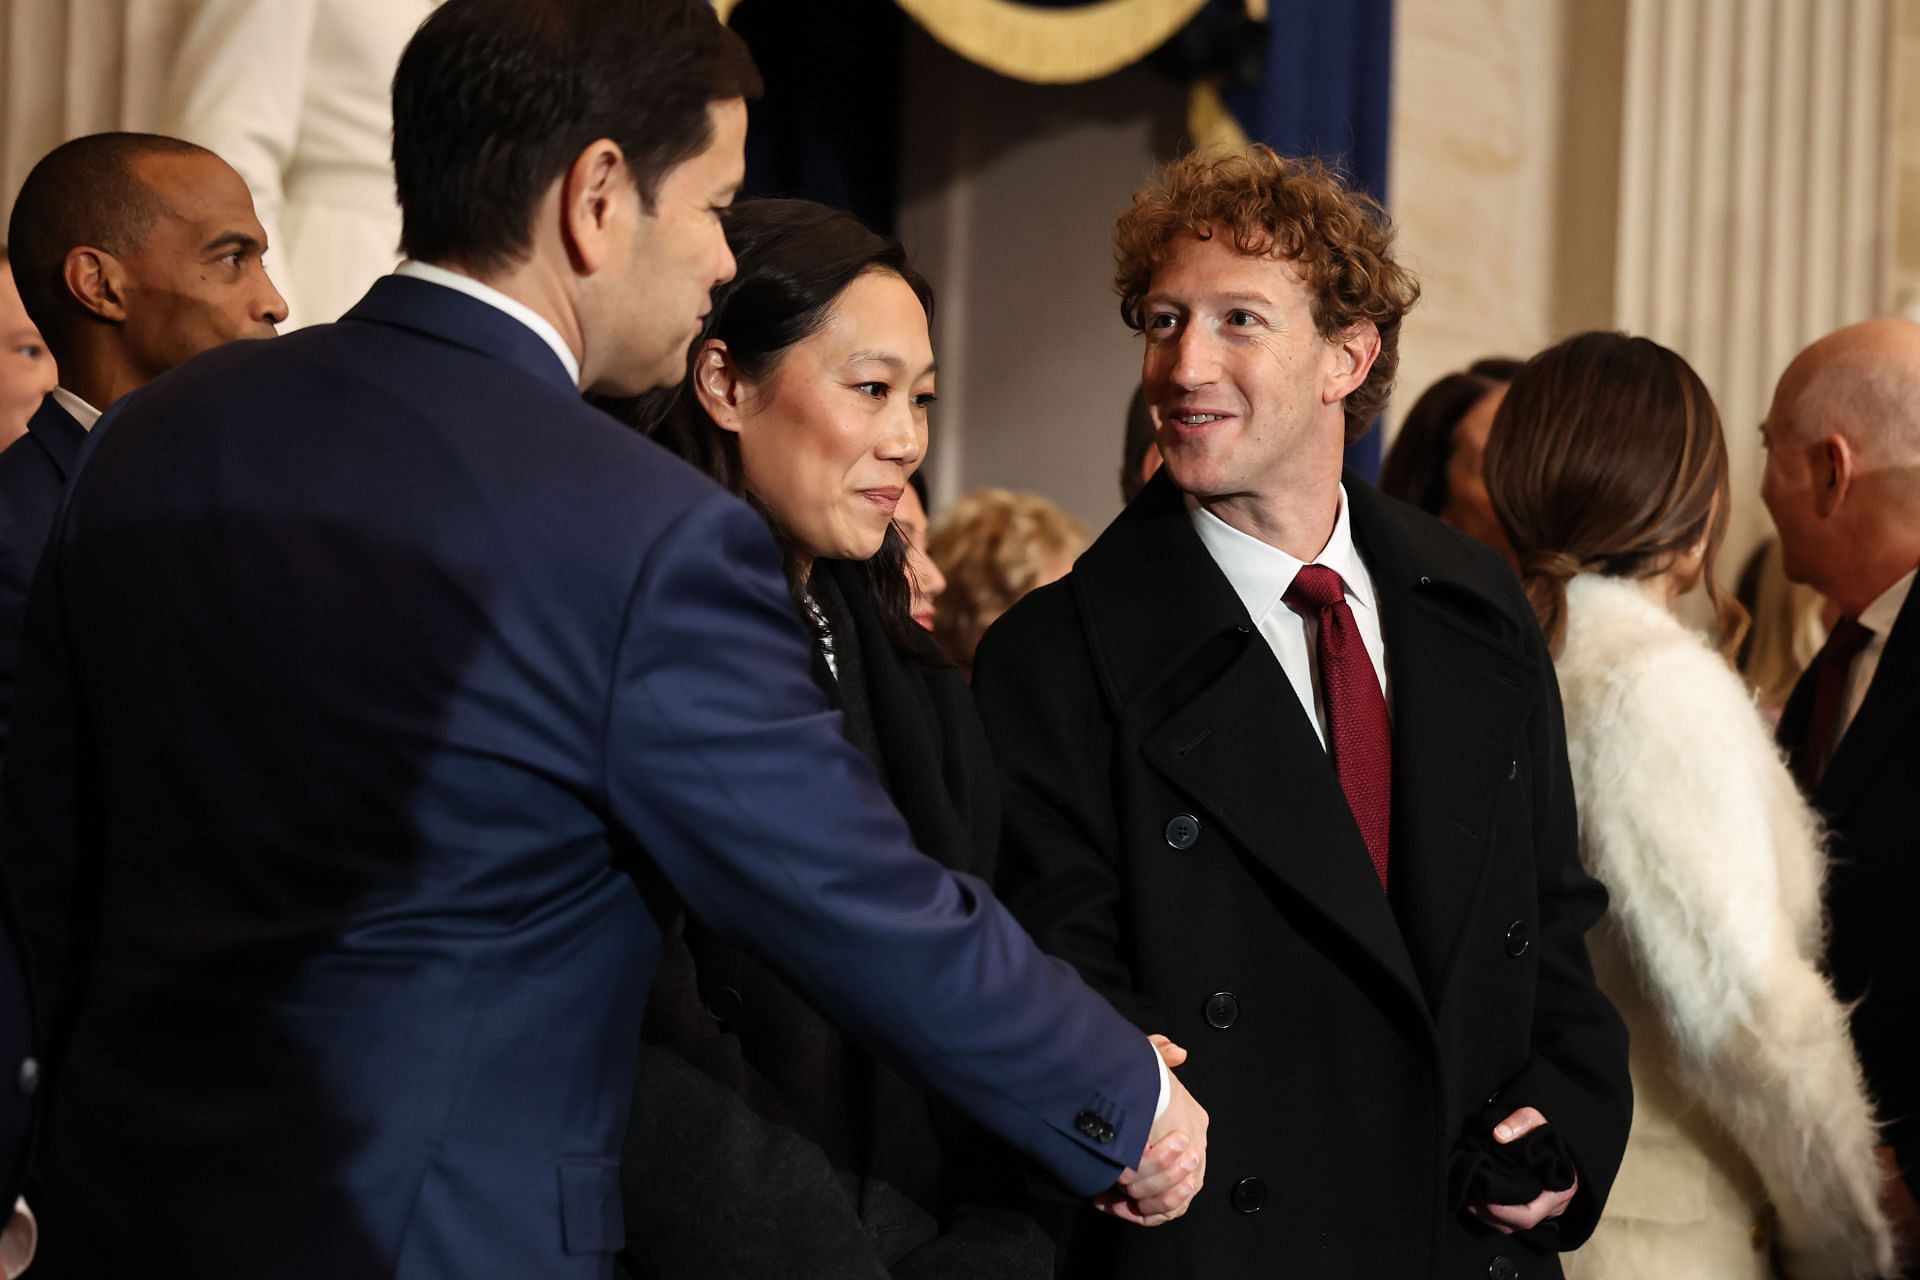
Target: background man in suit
[
  {"x": 1843, "y": 484},
  {"x": 1284, "y": 772},
  {"x": 133, "y": 252},
  {"x": 368, "y": 662}
]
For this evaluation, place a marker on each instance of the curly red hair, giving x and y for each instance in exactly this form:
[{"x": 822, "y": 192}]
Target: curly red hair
[{"x": 1340, "y": 241}]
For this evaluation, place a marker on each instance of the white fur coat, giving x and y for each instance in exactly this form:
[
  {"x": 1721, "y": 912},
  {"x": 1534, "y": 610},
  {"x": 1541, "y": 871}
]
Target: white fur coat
[{"x": 1747, "y": 1092}]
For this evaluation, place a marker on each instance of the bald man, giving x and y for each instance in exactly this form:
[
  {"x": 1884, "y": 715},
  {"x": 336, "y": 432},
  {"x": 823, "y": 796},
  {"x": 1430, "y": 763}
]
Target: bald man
[{"x": 1843, "y": 483}]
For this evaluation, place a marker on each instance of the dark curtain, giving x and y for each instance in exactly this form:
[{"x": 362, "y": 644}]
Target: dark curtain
[
  {"x": 1324, "y": 89},
  {"x": 828, "y": 126}
]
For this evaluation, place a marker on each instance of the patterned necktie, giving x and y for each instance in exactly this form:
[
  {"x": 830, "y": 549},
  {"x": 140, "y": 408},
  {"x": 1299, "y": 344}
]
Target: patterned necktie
[
  {"x": 1830, "y": 669},
  {"x": 1360, "y": 741}
]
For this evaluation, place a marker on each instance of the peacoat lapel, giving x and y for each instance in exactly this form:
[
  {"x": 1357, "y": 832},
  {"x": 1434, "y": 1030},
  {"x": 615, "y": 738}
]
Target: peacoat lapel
[
  {"x": 1892, "y": 703},
  {"x": 1460, "y": 687},
  {"x": 1185, "y": 670}
]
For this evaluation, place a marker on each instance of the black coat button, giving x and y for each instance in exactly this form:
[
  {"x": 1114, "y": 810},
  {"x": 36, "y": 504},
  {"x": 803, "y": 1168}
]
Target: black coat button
[
  {"x": 1223, "y": 1007},
  {"x": 29, "y": 1077},
  {"x": 1183, "y": 830},
  {"x": 1502, "y": 1268},
  {"x": 1249, "y": 1195},
  {"x": 1517, "y": 939},
  {"x": 1091, "y": 1124},
  {"x": 725, "y": 1004}
]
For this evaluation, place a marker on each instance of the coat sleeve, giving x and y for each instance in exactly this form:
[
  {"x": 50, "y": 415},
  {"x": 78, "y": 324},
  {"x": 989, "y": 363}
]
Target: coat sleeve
[
  {"x": 1700, "y": 839},
  {"x": 725, "y": 764},
  {"x": 1577, "y": 1077}
]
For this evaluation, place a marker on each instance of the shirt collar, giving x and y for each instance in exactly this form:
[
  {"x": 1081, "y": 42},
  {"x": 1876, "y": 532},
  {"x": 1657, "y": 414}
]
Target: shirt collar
[
  {"x": 77, "y": 409},
  {"x": 1880, "y": 616},
  {"x": 520, "y": 311},
  {"x": 1260, "y": 573}
]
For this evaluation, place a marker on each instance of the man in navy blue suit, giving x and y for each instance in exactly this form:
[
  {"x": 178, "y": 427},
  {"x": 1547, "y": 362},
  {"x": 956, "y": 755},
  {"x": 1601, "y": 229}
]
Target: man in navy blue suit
[
  {"x": 133, "y": 253},
  {"x": 379, "y": 698}
]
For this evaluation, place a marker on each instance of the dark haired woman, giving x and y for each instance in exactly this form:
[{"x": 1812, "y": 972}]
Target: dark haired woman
[
  {"x": 792, "y": 1152},
  {"x": 1752, "y": 1145},
  {"x": 1435, "y": 461}
]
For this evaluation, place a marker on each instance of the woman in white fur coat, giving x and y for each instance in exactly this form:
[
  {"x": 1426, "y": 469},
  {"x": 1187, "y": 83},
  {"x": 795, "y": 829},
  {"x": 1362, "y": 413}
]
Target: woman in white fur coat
[{"x": 1752, "y": 1145}]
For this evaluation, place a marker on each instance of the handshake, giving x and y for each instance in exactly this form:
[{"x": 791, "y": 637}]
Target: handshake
[{"x": 1174, "y": 1166}]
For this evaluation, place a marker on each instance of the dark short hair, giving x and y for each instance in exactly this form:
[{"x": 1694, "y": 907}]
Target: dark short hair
[
  {"x": 1140, "y": 438},
  {"x": 1415, "y": 469},
  {"x": 795, "y": 258},
  {"x": 494, "y": 99},
  {"x": 83, "y": 192}
]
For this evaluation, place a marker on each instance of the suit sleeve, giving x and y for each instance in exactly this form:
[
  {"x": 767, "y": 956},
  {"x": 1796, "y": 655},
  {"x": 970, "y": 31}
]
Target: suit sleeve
[
  {"x": 1702, "y": 851},
  {"x": 724, "y": 761},
  {"x": 1577, "y": 1077}
]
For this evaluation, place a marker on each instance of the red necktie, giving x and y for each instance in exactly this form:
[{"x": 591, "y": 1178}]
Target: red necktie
[
  {"x": 1361, "y": 742},
  {"x": 1830, "y": 668}
]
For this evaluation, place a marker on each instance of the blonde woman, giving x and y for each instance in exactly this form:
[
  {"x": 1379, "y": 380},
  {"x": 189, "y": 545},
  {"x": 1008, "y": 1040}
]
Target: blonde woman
[{"x": 994, "y": 546}]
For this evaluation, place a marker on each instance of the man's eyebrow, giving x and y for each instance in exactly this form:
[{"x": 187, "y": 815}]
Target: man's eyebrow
[{"x": 231, "y": 240}]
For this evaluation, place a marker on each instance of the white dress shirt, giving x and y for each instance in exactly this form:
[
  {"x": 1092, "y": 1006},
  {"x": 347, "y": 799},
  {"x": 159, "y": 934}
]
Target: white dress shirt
[
  {"x": 1260, "y": 575},
  {"x": 77, "y": 409},
  {"x": 1878, "y": 618},
  {"x": 520, "y": 311}
]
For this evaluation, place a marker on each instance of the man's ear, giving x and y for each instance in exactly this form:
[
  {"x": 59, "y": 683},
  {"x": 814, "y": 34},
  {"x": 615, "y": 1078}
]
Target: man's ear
[
  {"x": 594, "y": 192},
  {"x": 97, "y": 281},
  {"x": 1353, "y": 354},
  {"x": 1836, "y": 470},
  {"x": 719, "y": 385}
]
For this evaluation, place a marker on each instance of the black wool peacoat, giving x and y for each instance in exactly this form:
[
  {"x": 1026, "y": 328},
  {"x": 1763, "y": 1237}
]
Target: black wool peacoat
[{"x": 1173, "y": 827}]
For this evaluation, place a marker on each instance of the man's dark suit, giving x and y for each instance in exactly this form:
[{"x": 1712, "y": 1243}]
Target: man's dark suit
[
  {"x": 34, "y": 471},
  {"x": 362, "y": 664},
  {"x": 1870, "y": 799},
  {"x": 1173, "y": 826},
  {"x": 19, "y": 1068}
]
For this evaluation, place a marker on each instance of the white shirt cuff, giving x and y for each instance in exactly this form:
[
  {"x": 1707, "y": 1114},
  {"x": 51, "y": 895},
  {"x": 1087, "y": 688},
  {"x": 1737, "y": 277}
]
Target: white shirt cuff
[{"x": 1166, "y": 1084}]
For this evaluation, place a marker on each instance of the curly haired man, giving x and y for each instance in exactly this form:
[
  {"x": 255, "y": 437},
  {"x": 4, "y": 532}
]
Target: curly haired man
[{"x": 1285, "y": 776}]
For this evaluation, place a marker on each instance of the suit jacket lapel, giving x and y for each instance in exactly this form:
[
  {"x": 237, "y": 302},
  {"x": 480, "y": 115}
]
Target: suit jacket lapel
[
  {"x": 55, "y": 431},
  {"x": 1159, "y": 609},
  {"x": 1892, "y": 701}
]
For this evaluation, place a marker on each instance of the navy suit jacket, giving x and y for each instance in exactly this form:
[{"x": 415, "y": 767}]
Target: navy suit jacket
[
  {"x": 34, "y": 471},
  {"x": 376, "y": 689}
]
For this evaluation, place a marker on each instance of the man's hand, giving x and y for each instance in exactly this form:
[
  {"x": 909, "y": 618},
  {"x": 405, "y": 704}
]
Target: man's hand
[
  {"x": 1174, "y": 1166},
  {"x": 1509, "y": 1218}
]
